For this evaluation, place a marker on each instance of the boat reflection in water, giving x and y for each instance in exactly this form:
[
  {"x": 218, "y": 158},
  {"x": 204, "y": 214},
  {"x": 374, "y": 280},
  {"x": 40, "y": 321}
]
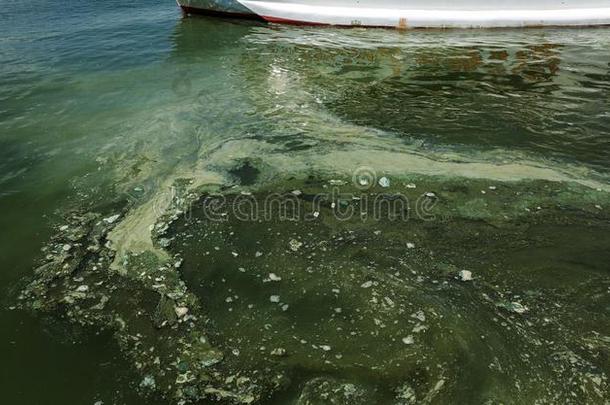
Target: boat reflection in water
[{"x": 487, "y": 90}]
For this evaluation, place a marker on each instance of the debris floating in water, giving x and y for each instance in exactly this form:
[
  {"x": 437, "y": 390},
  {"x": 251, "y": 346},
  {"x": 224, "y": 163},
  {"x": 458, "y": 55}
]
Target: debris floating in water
[
  {"x": 82, "y": 288},
  {"x": 465, "y": 275},
  {"x": 408, "y": 340},
  {"x": 384, "y": 182},
  {"x": 148, "y": 382},
  {"x": 518, "y": 308},
  {"x": 419, "y": 328},
  {"x": 279, "y": 352},
  {"x": 295, "y": 245},
  {"x": 419, "y": 315},
  {"x": 112, "y": 219},
  {"x": 515, "y": 307},
  {"x": 181, "y": 311}
]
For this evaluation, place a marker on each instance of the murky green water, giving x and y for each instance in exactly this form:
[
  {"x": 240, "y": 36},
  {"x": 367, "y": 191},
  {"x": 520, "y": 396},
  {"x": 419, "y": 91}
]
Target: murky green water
[{"x": 360, "y": 178}]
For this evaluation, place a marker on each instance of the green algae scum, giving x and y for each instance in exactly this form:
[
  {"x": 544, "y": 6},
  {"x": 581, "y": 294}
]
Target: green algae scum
[{"x": 202, "y": 211}]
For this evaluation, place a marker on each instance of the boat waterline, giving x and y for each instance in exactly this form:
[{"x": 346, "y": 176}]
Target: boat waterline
[
  {"x": 376, "y": 15},
  {"x": 412, "y": 14}
]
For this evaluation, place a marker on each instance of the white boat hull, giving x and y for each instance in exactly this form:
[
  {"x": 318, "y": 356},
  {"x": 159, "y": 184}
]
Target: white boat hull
[{"x": 434, "y": 13}]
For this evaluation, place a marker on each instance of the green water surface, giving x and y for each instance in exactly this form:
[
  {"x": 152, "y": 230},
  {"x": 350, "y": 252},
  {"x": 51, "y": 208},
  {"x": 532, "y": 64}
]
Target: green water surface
[{"x": 105, "y": 105}]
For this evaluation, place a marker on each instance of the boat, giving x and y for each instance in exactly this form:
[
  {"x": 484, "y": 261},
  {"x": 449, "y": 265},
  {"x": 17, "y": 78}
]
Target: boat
[
  {"x": 434, "y": 13},
  {"x": 220, "y": 8},
  {"x": 404, "y": 14}
]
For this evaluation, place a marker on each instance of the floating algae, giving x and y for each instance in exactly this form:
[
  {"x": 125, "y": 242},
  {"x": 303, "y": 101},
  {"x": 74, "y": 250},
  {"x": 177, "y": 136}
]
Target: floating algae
[
  {"x": 352, "y": 274},
  {"x": 353, "y": 293},
  {"x": 274, "y": 250},
  {"x": 358, "y": 269}
]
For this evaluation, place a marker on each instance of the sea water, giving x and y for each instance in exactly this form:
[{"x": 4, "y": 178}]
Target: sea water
[{"x": 223, "y": 209}]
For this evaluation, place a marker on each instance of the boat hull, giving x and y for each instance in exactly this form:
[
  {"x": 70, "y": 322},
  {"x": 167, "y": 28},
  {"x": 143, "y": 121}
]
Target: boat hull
[
  {"x": 221, "y": 8},
  {"x": 434, "y": 13}
]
